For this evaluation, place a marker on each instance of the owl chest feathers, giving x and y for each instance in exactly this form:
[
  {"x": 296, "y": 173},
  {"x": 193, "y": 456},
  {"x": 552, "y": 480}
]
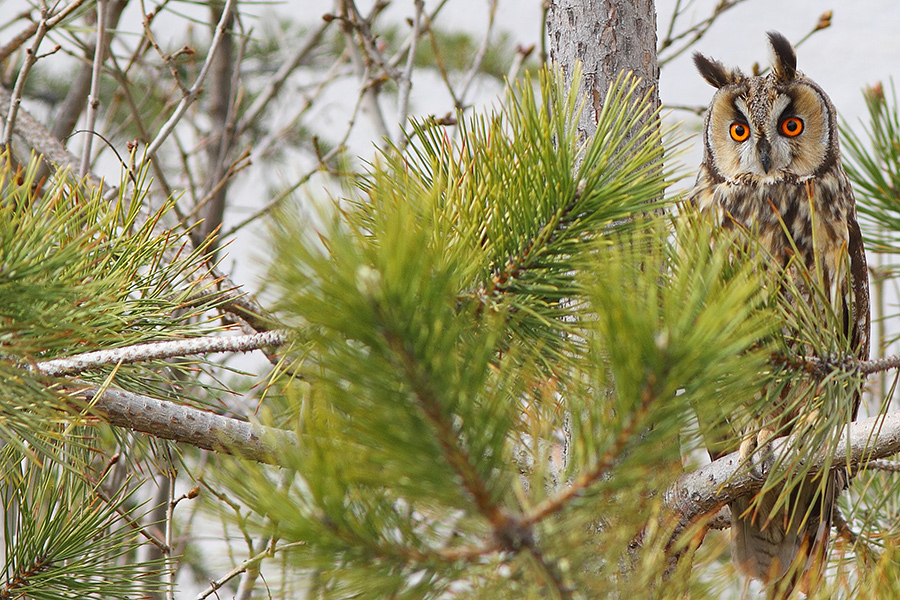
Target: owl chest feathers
[{"x": 793, "y": 218}]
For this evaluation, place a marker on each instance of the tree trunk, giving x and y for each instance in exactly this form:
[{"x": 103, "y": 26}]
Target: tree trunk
[{"x": 607, "y": 37}]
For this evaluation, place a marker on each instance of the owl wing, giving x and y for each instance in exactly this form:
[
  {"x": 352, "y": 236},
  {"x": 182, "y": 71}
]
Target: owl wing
[{"x": 858, "y": 312}]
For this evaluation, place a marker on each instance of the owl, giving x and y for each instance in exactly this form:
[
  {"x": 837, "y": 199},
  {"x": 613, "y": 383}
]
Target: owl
[{"x": 772, "y": 168}]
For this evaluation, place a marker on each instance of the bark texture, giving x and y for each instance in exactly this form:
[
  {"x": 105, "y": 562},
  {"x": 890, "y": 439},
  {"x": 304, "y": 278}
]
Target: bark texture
[{"x": 607, "y": 37}]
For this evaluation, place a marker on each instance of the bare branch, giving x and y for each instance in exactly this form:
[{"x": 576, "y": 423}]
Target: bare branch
[
  {"x": 522, "y": 53},
  {"x": 51, "y": 22},
  {"x": 868, "y": 367},
  {"x": 370, "y": 84},
  {"x": 891, "y": 466},
  {"x": 277, "y": 81},
  {"x": 251, "y": 563},
  {"x": 94, "y": 98},
  {"x": 271, "y": 205},
  {"x": 693, "y": 34},
  {"x": 405, "y": 80},
  {"x": 160, "y": 351},
  {"x": 171, "y": 564},
  {"x": 41, "y": 140},
  {"x": 73, "y": 105},
  {"x": 191, "y": 94},
  {"x": 30, "y": 58},
  {"x": 849, "y": 364}
]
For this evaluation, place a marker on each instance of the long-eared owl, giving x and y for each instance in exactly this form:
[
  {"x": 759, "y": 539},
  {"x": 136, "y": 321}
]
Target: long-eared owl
[{"x": 772, "y": 167}]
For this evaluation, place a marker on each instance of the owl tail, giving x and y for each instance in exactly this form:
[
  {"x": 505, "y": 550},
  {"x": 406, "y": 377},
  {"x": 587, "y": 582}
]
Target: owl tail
[{"x": 774, "y": 546}]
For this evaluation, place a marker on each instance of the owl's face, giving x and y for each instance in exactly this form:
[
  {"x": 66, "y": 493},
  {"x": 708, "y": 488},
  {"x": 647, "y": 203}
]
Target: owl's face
[{"x": 768, "y": 128}]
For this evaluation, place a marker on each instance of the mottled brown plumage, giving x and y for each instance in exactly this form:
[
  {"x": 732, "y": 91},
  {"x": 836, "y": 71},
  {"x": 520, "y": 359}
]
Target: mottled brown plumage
[{"x": 772, "y": 167}]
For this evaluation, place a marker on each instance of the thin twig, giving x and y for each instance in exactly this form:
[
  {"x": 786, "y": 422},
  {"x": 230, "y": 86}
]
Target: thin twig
[
  {"x": 222, "y": 98},
  {"x": 368, "y": 45},
  {"x": 71, "y": 108},
  {"x": 171, "y": 564},
  {"x": 272, "y": 139},
  {"x": 31, "y": 56},
  {"x": 693, "y": 33},
  {"x": 370, "y": 84},
  {"x": 249, "y": 577},
  {"x": 251, "y": 562},
  {"x": 867, "y": 367},
  {"x": 402, "y": 50},
  {"x": 405, "y": 80},
  {"x": 94, "y": 98},
  {"x": 522, "y": 53},
  {"x": 191, "y": 95},
  {"x": 439, "y": 61},
  {"x": 137, "y": 120},
  {"x": 52, "y": 21},
  {"x": 240, "y": 163},
  {"x": 891, "y": 466},
  {"x": 123, "y": 513},
  {"x": 160, "y": 351},
  {"x": 824, "y": 366},
  {"x": 270, "y": 206},
  {"x": 480, "y": 53},
  {"x": 284, "y": 71}
]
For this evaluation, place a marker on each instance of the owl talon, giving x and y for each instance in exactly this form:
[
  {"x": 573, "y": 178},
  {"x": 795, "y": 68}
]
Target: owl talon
[{"x": 757, "y": 451}]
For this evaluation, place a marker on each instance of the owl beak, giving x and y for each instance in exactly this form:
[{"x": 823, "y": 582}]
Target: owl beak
[{"x": 762, "y": 150}]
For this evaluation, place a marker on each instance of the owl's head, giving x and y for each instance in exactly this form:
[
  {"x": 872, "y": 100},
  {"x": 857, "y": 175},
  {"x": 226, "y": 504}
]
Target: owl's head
[{"x": 767, "y": 128}]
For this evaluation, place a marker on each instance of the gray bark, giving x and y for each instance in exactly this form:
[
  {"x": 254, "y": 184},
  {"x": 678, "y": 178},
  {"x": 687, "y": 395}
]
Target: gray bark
[
  {"x": 606, "y": 37},
  {"x": 707, "y": 489},
  {"x": 180, "y": 423}
]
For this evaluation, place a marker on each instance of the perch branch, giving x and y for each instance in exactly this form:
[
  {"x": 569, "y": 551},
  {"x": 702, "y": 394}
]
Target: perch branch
[{"x": 708, "y": 488}]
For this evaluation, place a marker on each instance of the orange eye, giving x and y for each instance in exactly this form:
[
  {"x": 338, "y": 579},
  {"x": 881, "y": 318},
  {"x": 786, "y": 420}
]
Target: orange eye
[
  {"x": 739, "y": 132},
  {"x": 792, "y": 126}
]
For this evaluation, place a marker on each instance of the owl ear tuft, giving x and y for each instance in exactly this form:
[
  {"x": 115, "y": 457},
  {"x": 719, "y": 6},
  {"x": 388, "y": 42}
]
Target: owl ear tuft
[
  {"x": 785, "y": 64},
  {"x": 715, "y": 73}
]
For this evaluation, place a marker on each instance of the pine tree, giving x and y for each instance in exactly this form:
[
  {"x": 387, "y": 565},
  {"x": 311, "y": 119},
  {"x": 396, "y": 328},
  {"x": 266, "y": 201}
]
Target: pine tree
[{"x": 496, "y": 358}]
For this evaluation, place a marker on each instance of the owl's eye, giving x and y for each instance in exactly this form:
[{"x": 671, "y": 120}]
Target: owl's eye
[
  {"x": 739, "y": 132},
  {"x": 791, "y": 127}
]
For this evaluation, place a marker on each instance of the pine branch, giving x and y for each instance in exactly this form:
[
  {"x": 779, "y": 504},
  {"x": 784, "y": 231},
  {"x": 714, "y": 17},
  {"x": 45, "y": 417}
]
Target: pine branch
[
  {"x": 705, "y": 490},
  {"x": 823, "y": 366},
  {"x": 172, "y": 421},
  {"x": 160, "y": 350},
  {"x": 891, "y": 466}
]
